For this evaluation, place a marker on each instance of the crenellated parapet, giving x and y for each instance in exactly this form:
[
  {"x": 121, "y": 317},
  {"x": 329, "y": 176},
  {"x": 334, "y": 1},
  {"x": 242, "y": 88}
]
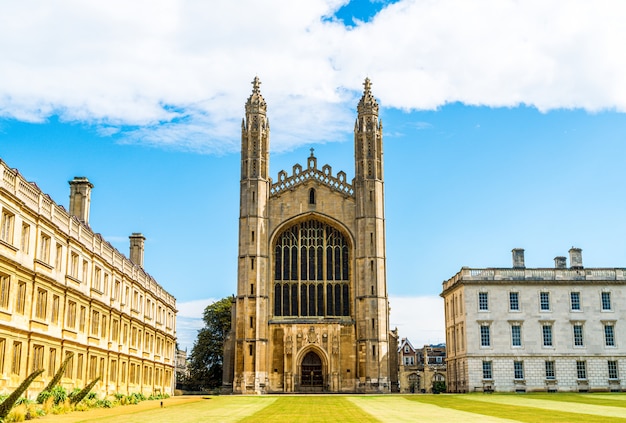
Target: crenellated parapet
[{"x": 312, "y": 173}]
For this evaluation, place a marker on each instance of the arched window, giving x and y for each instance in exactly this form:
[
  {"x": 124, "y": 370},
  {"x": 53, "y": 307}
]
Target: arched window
[
  {"x": 312, "y": 196},
  {"x": 311, "y": 271}
]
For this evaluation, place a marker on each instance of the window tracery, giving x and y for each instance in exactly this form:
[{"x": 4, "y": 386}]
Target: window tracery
[{"x": 311, "y": 271}]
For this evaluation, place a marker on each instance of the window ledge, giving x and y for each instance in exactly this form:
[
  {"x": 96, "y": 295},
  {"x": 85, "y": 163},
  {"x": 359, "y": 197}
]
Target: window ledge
[
  {"x": 44, "y": 264},
  {"x": 9, "y": 246}
]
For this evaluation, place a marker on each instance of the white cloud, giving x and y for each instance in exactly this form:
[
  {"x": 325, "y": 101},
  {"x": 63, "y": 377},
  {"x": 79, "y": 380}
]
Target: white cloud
[
  {"x": 177, "y": 71},
  {"x": 420, "y": 319}
]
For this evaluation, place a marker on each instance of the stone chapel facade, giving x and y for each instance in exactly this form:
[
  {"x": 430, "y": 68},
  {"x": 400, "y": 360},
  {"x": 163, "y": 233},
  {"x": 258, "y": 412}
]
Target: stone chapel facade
[{"x": 311, "y": 312}]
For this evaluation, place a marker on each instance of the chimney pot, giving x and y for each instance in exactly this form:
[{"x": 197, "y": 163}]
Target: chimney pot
[
  {"x": 80, "y": 198},
  {"x": 576, "y": 258},
  {"x": 518, "y": 258},
  {"x": 560, "y": 262},
  {"x": 137, "y": 241}
]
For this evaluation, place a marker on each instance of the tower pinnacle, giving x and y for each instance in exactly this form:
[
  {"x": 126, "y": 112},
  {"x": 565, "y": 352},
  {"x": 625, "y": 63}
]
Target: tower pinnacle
[
  {"x": 367, "y": 104},
  {"x": 256, "y": 102}
]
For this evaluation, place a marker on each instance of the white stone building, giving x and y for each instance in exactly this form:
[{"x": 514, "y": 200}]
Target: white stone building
[{"x": 546, "y": 329}]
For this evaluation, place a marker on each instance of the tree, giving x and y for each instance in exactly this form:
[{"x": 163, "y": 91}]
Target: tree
[{"x": 207, "y": 354}]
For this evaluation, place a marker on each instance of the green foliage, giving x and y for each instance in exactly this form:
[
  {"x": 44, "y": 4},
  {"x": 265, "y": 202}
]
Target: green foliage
[
  {"x": 104, "y": 403},
  {"x": 58, "y": 393},
  {"x": 439, "y": 386},
  {"x": 75, "y": 399},
  {"x": 10, "y": 401},
  {"x": 56, "y": 378},
  {"x": 207, "y": 355}
]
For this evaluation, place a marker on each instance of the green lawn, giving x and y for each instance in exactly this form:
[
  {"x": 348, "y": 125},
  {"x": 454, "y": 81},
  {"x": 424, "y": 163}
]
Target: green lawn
[{"x": 469, "y": 408}]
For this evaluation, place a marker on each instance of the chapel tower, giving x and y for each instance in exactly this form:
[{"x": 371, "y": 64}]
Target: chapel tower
[
  {"x": 371, "y": 287},
  {"x": 252, "y": 296},
  {"x": 311, "y": 311}
]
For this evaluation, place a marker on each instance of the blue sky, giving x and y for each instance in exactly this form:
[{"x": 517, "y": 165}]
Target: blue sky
[{"x": 504, "y": 127}]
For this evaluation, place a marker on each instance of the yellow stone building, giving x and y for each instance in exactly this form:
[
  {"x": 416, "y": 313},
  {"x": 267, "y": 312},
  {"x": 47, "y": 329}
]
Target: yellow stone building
[
  {"x": 311, "y": 312},
  {"x": 64, "y": 290}
]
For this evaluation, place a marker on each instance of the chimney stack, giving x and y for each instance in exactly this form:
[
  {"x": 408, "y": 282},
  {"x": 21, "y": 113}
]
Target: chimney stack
[
  {"x": 80, "y": 198},
  {"x": 576, "y": 258},
  {"x": 518, "y": 258},
  {"x": 136, "y": 248},
  {"x": 560, "y": 262}
]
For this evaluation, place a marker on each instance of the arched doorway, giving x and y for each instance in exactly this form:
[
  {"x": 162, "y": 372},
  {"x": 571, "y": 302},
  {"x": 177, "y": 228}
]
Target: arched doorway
[{"x": 311, "y": 371}]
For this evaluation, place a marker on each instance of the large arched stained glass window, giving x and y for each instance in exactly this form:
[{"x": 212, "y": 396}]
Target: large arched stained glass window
[{"x": 311, "y": 271}]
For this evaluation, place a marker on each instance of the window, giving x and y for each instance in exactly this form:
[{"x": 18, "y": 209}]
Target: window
[
  {"x": 2, "y": 348},
  {"x": 25, "y": 240},
  {"x": 544, "y": 301},
  {"x": 550, "y": 373},
  {"x": 85, "y": 271},
  {"x": 311, "y": 272},
  {"x": 516, "y": 335},
  {"x": 16, "y": 360},
  {"x": 58, "y": 257},
  {"x": 483, "y": 301},
  {"x": 20, "y": 301},
  {"x": 547, "y": 335},
  {"x": 518, "y": 369},
  {"x": 5, "y": 291},
  {"x": 578, "y": 335},
  {"x": 55, "y": 309},
  {"x": 52, "y": 361},
  {"x": 116, "y": 290},
  {"x": 514, "y": 301},
  {"x": 37, "y": 357},
  {"x": 79, "y": 366},
  {"x": 409, "y": 361},
  {"x": 74, "y": 265},
  {"x": 606, "y": 301},
  {"x": 41, "y": 304},
  {"x": 44, "y": 251},
  {"x": 71, "y": 315},
  {"x": 6, "y": 227},
  {"x": 574, "y": 298},
  {"x": 581, "y": 369},
  {"x": 312, "y": 196},
  {"x": 609, "y": 335},
  {"x": 485, "y": 339},
  {"x": 97, "y": 277},
  {"x": 115, "y": 330},
  {"x": 93, "y": 367},
  {"x": 612, "y": 369},
  {"x": 82, "y": 317},
  {"x": 103, "y": 332},
  {"x": 113, "y": 371},
  {"x": 69, "y": 369},
  {"x": 95, "y": 322},
  {"x": 487, "y": 373}
]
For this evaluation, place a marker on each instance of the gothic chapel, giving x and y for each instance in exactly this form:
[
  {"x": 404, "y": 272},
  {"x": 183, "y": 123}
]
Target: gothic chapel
[{"x": 311, "y": 312}]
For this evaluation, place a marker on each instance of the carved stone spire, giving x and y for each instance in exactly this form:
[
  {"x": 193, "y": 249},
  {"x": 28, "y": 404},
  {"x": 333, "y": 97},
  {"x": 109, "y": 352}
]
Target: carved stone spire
[
  {"x": 256, "y": 102},
  {"x": 367, "y": 104}
]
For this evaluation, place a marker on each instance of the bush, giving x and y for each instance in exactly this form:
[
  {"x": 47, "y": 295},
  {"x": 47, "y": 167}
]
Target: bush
[{"x": 438, "y": 387}]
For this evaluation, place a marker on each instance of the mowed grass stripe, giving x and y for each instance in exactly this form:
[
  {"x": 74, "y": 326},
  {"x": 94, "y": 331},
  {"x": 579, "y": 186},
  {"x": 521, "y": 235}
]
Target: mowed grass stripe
[
  {"x": 515, "y": 408},
  {"x": 301, "y": 409},
  {"x": 210, "y": 409},
  {"x": 555, "y": 404},
  {"x": 397, "y": 409},
  {"x": 613, "y": 400}
]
